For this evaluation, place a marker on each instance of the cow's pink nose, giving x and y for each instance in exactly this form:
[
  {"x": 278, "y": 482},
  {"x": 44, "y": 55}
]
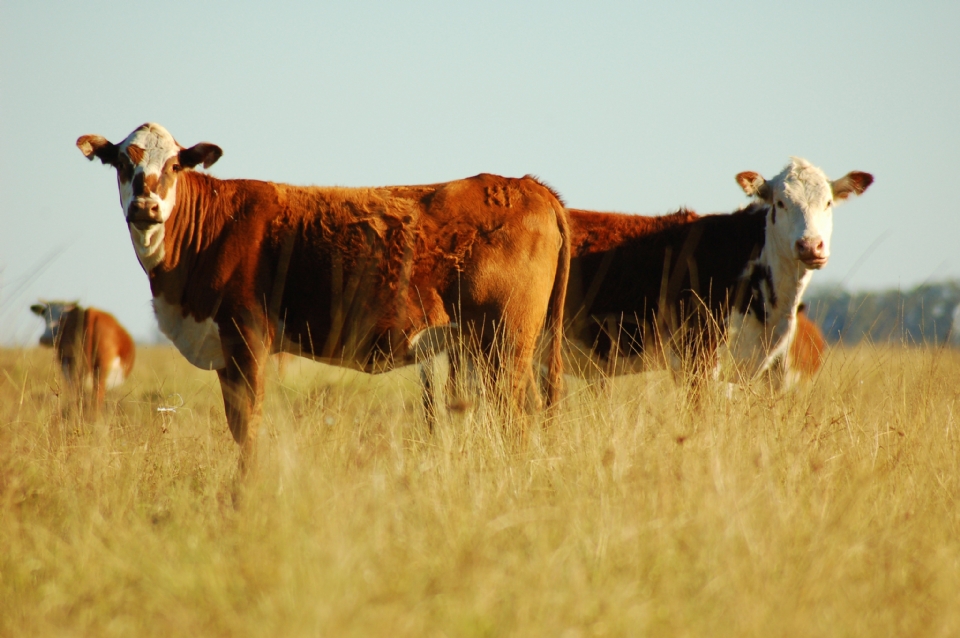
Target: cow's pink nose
[
  {"x": 810, "y": 247},
  {"x": 812, "y": 251},
  {"x": 144, "y": 213}
]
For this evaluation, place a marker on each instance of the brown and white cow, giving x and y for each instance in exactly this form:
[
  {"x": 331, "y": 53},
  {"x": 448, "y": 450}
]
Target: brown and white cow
[
  {"x": 805, "y": 355},
  {"x": 368, "y": 278},
  {"x": 94, "y": 350},
  {"x": 676, "y": 286}
]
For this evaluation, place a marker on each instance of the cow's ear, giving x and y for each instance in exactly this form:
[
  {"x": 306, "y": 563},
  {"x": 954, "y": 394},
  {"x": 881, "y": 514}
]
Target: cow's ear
[
  {"x": 754, "y": 185},
  {"x": 38, "y": 309},
  {"x": 95, "y": 146},
  {"x": 853, "y": 183},
  {"x": 202, "y": 153}
]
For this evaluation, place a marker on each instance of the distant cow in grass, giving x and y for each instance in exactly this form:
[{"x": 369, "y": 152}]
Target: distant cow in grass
[
  {"x": 645, "y": 289},
  {"x": 95, "y": 352},
  {"x": 367, "y": 278}
]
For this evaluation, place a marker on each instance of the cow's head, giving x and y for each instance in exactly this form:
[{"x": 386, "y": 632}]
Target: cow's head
[
  {"x": 801, "y": 200},
  {"x": 52, "y": 312},
  {"x": 148, "y": 164}
]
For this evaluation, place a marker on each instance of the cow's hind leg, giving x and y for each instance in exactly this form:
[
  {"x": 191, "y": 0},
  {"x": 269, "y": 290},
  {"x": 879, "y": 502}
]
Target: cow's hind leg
[{"x": 509, "y": 371}]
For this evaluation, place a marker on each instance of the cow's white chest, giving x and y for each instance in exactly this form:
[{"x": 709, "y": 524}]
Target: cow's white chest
[{"x": 198, "y": 341}]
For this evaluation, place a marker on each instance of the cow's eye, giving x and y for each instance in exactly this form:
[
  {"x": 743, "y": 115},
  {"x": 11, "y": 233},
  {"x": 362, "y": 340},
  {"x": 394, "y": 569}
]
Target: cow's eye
[
  {"x": 176, "y": 168},
  {"x": 779, "y": 203},
  {"x": 829, "y": 204}
]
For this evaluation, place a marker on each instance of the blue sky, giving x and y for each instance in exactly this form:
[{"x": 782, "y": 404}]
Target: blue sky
[{"x": 619, "y": 106}]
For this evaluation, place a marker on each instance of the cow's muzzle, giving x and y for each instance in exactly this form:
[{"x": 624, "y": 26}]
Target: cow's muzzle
[
  {"x": 812, "y": 252},
  {"x": 143, "y": 214}
]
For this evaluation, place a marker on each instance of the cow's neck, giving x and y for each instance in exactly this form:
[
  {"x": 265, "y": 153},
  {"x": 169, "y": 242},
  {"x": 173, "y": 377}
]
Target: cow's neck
[
  {"x": 185, "y": 297},
  {"x": 774, "y": 285},
  {"x": 790, "y": 277},
  {"x": 194, "y": 224}
]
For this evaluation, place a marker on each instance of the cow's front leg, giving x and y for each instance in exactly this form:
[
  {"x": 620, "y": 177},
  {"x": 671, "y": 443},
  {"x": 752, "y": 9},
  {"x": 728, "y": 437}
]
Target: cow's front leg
[{"x": 241, "y": 382}]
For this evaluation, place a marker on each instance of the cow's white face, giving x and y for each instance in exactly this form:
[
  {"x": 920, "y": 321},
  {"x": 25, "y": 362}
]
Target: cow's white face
[
  {"x": 51, "y": 312},
  {"x": 148, "y": 163},
  {"x": 801, "y": 199}
]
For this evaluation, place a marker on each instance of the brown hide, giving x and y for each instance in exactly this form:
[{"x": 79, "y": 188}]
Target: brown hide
[
  {"x": 352, "y": 275},
  {"x": 806, "y": 351},
  {"x": 635, "y": 280},
  {"x": 87, "y": 343}
]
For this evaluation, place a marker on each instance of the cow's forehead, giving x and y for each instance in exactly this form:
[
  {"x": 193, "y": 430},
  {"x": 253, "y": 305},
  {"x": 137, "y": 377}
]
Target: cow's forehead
[
  {"x": 154, "y": 144},
  {"x": 803, "y": 183}
]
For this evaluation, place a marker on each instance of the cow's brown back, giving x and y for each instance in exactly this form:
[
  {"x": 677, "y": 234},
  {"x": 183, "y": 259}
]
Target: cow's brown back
[{"x": 352, "y": 274}]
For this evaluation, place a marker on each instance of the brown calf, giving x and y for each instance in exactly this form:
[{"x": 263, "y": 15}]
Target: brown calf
[
  {"x": 673, "y": 287},
  {"x": 94, "y": 350},
  {"x": 368, "y": 278}
]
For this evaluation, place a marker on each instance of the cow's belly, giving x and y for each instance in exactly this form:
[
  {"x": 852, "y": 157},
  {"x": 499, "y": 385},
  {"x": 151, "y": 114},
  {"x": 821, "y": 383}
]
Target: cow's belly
[
  {"x": 423, "y": 345},
  {"x": 197, "y": 341}
]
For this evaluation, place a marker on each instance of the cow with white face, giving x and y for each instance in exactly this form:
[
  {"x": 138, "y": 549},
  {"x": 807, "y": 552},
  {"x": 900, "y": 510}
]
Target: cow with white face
[
  {"x": 799, "y": 225},
  {"x": 803, "y": 198},
  {"x": 147, "y": 164},
  {"x": 679, "y": 284},
  {"x": 354, "y": 277}
]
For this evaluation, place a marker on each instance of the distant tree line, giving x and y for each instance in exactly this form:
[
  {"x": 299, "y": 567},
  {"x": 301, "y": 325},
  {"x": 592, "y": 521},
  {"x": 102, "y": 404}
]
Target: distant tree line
[{"x": 925, "y": 315}]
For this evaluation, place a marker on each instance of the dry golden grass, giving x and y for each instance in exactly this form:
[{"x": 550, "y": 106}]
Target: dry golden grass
[{"x": 830, "y": 511}]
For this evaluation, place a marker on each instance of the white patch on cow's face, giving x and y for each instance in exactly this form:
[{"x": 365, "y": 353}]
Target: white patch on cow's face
[
  {"x": 198, "y": 341},
  {"x": 147, "y": 177},
  {"x": 800, "y": 222}
]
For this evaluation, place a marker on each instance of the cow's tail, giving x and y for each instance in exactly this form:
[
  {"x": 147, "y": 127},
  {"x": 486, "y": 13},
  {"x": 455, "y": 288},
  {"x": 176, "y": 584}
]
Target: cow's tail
[{"x": 558, "y": 298}]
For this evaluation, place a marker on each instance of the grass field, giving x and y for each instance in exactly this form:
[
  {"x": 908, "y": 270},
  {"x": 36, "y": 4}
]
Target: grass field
[{"x": 831, "y": 511}]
